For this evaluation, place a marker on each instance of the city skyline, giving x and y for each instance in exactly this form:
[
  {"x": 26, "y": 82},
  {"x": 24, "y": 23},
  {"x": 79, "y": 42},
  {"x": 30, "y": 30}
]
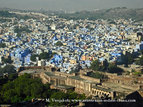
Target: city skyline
[{"x": 69, "y": 5}]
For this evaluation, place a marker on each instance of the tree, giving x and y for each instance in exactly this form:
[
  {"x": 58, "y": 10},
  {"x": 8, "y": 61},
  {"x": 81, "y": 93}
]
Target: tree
[
  {"x": 57, "y": 96},
  {"x": 12, "y": 76},
  {"x": 48, "y": 92},
  {"x": 1, "y": 71},
  {"x": 114, "y": 69},
  {"x": 76, "y": 69},
  {"x": 18, "y": 34},
  {"x": 7, "y": 60},
  {"x": 9, "y": 69},
  {"x": 59, "y": 43},
  {"x": 22, "y": 88},
  {"x": 23, "y": 29},
  {"x": 128, "y": 58},
  {"x": 6, "y": 14},
  {"x": 45, "y": 55},
  {"x": 53, "y": 53},
  {"x": 2, "y": 45},
  {"x": 33, "y": 57},
  {"x": 97, "y": 75},
  {"x": 72, "y": 94},
  {"x": 95, "y": 65},
  {"x": 25, "y": 88},
  {"x": 37, "y": 89},
  {"x": 105, "y": 64},
  {"x": 140, "y": 61}
]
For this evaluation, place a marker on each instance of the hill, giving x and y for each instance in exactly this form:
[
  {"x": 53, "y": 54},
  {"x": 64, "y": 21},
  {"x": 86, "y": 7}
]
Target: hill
[{"x": 113, "y": 13}]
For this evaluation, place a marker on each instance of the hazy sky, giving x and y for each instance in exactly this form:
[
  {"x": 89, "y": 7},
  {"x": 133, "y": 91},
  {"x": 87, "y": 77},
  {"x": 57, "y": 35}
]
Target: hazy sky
[{"x": 70, "y": 4}]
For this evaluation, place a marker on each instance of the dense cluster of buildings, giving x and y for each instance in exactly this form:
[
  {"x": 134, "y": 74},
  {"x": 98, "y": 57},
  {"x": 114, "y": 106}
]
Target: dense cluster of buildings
[
  {"x": 82, "y": 41},
  {"x": 73, "y": 44}
]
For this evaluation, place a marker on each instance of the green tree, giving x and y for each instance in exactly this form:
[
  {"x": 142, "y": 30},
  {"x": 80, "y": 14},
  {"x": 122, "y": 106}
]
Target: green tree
[
  {"x": 45, "y": 55},
  {"x": 97, "y": 75},
  {"x": 1, "y": 71},
  {"x": 54, "y": 53},
  {"x": 57, "y": 96},
  {"x": 33, "y": 57},
  {"x": 6, "y": 14},
  {"x": 48, "y": 92},
  {"x": 114, "y": 69},
  {"x": 105, "y": 65},
  {"x": 59, "y": 43},
  {"x": 12, "y": 76},
  {"x": 25, "y": 88},
  {"x": 7, "y": 60},
  {"x": 22, "y": 29},
  {"x": 72, "y": 95},
  {"x": 2, "y": 45},
  {"x": 18, "y": 34},
  {"x": 140, "y": 61},
  {"x": 37, "y": 89},
  {"x": 128, "y": 58},
  {"x": 9, "y": 69},
  {"x": 95, "y": 65},
  {"x": 22, "y": 88}
]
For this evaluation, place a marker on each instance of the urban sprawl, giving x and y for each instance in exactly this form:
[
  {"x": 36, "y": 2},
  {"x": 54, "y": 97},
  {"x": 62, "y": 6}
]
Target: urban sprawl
[{"x": 50, "y": 41}]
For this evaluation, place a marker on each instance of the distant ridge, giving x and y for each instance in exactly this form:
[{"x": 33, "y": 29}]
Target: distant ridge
[{"x": 112, "y": 13}]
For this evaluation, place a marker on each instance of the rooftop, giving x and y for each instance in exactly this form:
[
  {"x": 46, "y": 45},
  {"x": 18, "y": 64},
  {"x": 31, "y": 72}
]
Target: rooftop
[
  {"x": 77, "y": 78},
  {"x": 102, "y": 88},
  {"x": 64, "y": 86},
  {"x": 49, "y": 73}
]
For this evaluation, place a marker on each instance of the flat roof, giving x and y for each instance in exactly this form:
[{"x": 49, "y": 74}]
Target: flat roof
[
  {"x": 102, "y": 89},
  {"x": 119, "y": 87},
  {"x": 49, "y": 73},
  {"x": 53, "y": 75},
  {"x": 77, "y": 78},
  {"x": 64, "y": 86},
  {"x": 84, "y": 80}
]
